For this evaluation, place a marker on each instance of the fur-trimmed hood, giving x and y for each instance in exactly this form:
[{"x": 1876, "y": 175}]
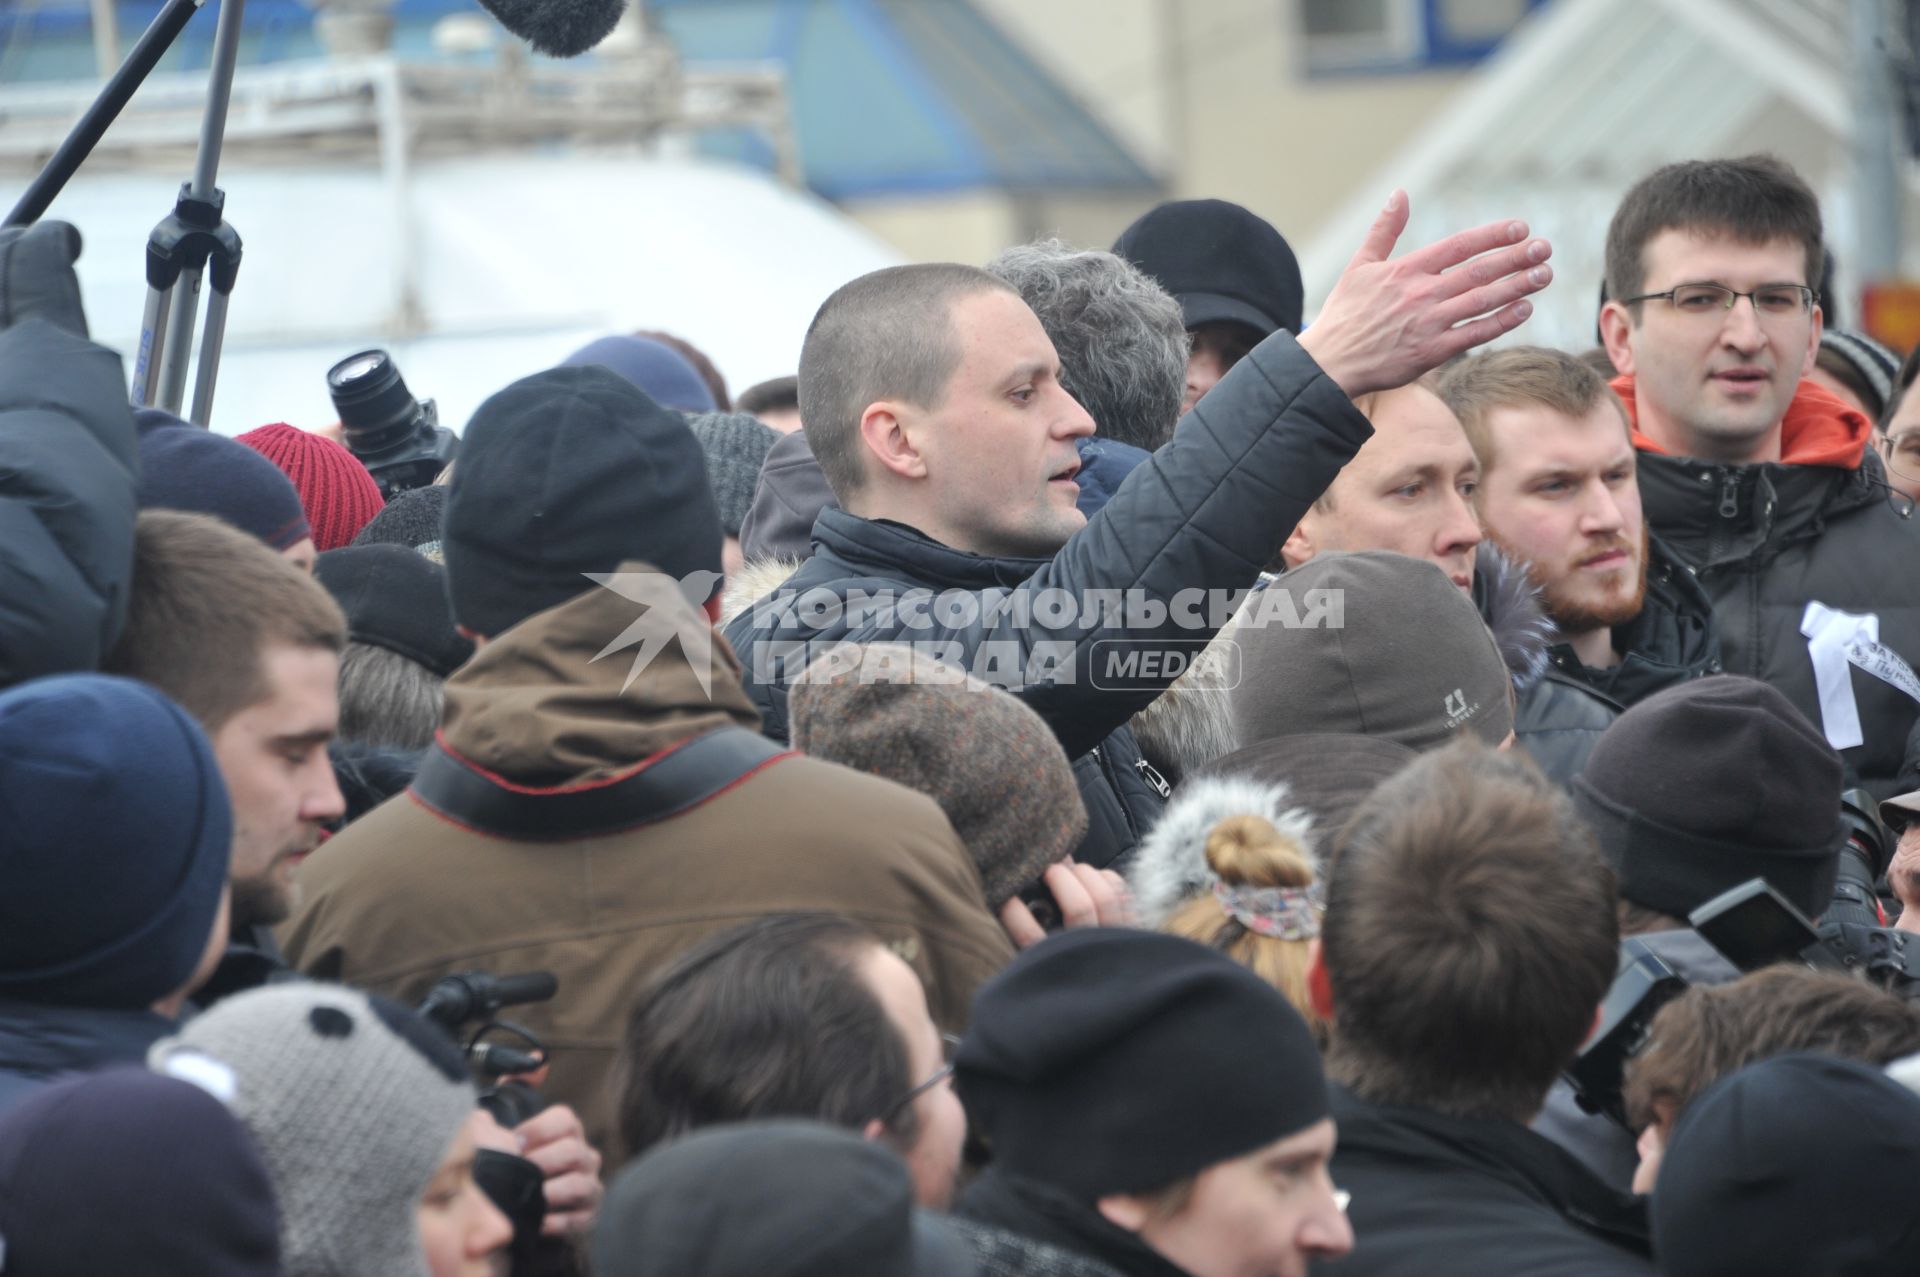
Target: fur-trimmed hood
[
  {"x": 759, "y": 578},
  {"x": 1170, "y": 866},
  {"x": 1510, "y": 604}
]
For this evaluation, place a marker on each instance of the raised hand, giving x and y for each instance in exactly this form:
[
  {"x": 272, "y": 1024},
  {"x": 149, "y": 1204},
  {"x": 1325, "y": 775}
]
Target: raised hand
[{"x": 1388, "y": 319}]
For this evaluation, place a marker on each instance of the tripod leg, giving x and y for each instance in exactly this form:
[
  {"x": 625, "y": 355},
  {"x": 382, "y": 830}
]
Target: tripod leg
[
  {"x": 153, "y": 341},
  {"x": 211, "y": 339},
  {"x": 179, "y": 351}
]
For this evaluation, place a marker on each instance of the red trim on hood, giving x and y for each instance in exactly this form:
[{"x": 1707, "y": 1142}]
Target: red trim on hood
[
  {"x": 440, "y": 739},
  {"x": 1818, "y": 430}
]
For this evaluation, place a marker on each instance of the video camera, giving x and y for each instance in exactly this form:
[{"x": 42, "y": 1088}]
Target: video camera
[
  {"x": 1754, "y": 926},
  {"x": 398, "y": 438},
  {"x": 513, "y": 1183}
]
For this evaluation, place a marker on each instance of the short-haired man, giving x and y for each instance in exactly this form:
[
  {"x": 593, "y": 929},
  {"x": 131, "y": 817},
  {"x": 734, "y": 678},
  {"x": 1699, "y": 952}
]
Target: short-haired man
[
  {"x": 934, "y": 405},
  {"x": 596, "y": 817},
  {"x": 1409, "y": 489},
  {"x": 1765, "y": 486},
  {"x": 1469, "y": 939},
  {"x": 249, "y": 644},
  {"x": 1711, "y": 1030},
  {"x": 1558, "y": 497},
  {"x": 1559, "y": 493},
  {"x": 794, "y": 1015}
]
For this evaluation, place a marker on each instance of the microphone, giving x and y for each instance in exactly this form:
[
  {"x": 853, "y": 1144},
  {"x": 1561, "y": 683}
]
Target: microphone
[{"x": 558, "y": 28}]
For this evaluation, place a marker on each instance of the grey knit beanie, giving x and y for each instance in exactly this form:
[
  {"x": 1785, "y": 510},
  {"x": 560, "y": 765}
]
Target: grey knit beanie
[
  {"x": 992, "y": 764},
  {"x": 354, "y": 1101},
  {"x": 736, "y": 445},
  {"x": 1373, "y": 644}
]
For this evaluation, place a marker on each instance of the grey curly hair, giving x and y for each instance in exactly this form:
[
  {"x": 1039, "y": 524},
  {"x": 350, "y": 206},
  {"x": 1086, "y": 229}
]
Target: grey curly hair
[{"x": 1120, "y": 336}]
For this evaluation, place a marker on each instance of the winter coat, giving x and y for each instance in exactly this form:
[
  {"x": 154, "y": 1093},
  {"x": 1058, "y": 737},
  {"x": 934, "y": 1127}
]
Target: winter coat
[
  {"x": 1672, "y": 641},
  {"x": 1012, "y": 1204},
  {"x": 1557, "y": 718},
  {"x": 1206, "y": 512},
  {"x": 1603, "y": 1145},
  {"x": 998, "y": 1253},
  {"x": 68, "y": 467},
  {"x": 1441, "y": 1195},
  {"x": 1768, "y": 538},
  {"x": 41, "y": 1044},
  {"x": 544, "y": 738}
]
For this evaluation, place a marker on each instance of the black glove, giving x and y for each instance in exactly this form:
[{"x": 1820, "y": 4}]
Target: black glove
[{"x": 36, "y": 276}]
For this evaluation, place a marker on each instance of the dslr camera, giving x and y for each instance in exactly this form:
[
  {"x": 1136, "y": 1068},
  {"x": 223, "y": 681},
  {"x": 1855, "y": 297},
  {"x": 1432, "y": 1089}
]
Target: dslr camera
[{"x": 398, "y": 438}]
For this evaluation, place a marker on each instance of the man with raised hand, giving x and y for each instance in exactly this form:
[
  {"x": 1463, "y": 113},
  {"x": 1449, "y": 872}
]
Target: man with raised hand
[{"x": 933, "y": 402}]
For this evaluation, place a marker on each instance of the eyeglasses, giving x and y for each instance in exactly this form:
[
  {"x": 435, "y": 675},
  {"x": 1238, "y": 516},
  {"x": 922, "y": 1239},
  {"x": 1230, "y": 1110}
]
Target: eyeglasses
[
  {"x": 1902, "y": 452},
  {"x": 949, "y": 1044},
  {"x": 1777, "y": 301}
]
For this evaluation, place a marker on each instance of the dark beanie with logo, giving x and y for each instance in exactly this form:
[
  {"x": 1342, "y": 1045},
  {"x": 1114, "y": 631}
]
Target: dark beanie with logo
[
  {"x": 1703, "y": 786},
  {"x": 1108, "y": 1060},
  {"x": 566, "y": 472},
  {"x": 114, "y": 839}
]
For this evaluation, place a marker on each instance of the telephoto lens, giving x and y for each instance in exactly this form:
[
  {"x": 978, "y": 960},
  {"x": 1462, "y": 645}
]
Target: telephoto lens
[{"x": 398, "y": 438}]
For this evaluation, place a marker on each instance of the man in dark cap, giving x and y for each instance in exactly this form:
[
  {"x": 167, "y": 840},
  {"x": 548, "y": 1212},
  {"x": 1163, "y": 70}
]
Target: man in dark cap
[
  {"x": 1235, "y": 276},
  {"x": 1801, "y": 1166},
  {"x": 183, "y": 467},
  {"x": 772, "y": 1199},
  {"x": 1467, "y": 944},
  {"x": 114, "y": 834},
  {"x": 1691, "y": 792},
  {"x": 1153, "y": 1105},
  {"x": 599, "y": 798}
]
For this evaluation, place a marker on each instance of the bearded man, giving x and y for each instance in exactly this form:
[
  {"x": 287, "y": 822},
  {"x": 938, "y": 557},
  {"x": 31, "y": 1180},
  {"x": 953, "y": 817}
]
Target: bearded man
[{"x": 1559, "y": 494}]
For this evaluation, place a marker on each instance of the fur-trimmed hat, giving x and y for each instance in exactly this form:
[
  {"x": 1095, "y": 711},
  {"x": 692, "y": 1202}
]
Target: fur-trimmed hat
[{"x": 1170, "y": 866}]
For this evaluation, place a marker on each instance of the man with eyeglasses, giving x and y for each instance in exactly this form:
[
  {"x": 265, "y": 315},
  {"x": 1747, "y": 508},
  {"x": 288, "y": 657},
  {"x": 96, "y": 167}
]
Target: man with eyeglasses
[
  {"x": 1763, "y": 483},
  {"x": 1898, "y": 438}
]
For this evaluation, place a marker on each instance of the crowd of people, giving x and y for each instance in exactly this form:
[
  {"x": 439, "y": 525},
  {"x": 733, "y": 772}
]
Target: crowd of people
[{"x": 1091, "y": 777}]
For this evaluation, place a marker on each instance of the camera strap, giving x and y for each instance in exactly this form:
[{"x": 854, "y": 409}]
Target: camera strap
[{"x": 670, "y": 783}]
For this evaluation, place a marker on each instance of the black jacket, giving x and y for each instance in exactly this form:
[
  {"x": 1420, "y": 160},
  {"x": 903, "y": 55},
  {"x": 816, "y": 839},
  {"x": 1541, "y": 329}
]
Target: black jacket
[
  {"x": 1204, "y": 513},
  {"x": 67, "y": 467},
  {"x": 1557, "y": 719},
  {"x": 1768, "y": 538},
  {"x": 1560, "y": 720},
  {"x": 1443, "y": 1195},
  {"x": 1671, "y": 641},
  {"x": 41, "y": 1044},
  {"x": 1011, "y": 1204},
  {"x": 999, "y": 1253}
]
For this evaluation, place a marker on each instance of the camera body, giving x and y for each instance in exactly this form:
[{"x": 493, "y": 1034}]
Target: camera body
[{"x": 398, "y": 438}]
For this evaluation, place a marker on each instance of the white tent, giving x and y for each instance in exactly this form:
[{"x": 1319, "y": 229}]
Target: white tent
[{"x": 479, "y": 271}]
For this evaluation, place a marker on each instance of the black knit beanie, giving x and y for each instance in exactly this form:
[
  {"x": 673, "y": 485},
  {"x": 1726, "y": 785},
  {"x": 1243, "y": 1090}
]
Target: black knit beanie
[
  {"x": 1800, "y": 1166},
  {"x": 1108, "y": 1060},
  {"x": 1705, "y": 785},
  {"x": 567, "y": 472}
]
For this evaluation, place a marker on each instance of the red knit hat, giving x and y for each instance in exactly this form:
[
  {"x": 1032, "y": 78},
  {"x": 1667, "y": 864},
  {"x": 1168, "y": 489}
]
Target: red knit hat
[{"x": 336, "y": 491}]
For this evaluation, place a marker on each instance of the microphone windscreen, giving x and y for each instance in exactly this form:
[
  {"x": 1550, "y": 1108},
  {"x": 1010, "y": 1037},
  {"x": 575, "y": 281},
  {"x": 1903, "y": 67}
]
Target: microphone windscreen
[{"x": 558, "y": 28}]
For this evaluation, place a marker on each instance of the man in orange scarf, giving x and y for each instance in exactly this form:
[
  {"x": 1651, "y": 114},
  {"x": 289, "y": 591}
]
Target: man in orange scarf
[{"x": 1760, "y": 480}]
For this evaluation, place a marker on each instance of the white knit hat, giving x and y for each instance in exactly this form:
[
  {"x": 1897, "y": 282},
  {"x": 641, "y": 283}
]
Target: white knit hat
[{"x": 353, "y": 1101}]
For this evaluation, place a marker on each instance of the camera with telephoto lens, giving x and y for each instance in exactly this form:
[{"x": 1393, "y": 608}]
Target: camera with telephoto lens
[
  {"x": 511, "y": 1182},
  {"x": 398, "y": 438},
  {"x": 1754, "y": 926}
]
